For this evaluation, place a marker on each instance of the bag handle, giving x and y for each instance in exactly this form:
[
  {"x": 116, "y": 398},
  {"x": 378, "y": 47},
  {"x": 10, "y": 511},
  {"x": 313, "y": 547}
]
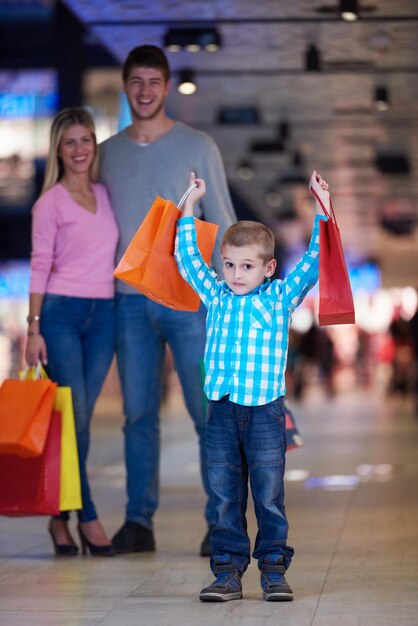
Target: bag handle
[
  {"x": 330, "y": 217},
  {"x": 186, "y": 195},
  {"x": 33, "y": 372}
]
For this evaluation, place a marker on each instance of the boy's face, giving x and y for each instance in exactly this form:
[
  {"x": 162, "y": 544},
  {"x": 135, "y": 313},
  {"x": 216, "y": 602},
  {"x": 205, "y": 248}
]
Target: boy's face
[
  {"x": 244, "y": 269},
  {"x": 146, "y": 89}
]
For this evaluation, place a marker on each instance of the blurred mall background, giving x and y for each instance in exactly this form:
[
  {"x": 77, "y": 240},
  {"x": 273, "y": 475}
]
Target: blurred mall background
[{"x": 283, "y": 88}]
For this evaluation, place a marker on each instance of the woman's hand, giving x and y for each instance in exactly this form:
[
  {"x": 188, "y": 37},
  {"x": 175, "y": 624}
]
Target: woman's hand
[
  {"x": 195, "y": 195},
  {"x": 321, "y": 187},
  {"x": 36, "y": 350}
]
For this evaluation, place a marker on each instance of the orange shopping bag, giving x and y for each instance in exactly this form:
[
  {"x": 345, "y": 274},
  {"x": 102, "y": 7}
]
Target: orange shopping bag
[
  {"x": 149, "y": 265},
  {"x": 25, "y": 415},
  {"x": 336, "y": 304}
]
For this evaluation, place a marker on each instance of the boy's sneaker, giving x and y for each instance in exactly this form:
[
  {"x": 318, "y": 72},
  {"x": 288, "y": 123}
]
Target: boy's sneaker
[
  {"x": 226, "y": 586},
  {"x": 274, "y": 584}
]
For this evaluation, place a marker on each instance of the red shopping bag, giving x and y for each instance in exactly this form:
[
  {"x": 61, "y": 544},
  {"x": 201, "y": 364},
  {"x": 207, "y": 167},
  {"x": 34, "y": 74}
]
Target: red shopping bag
[
  {"x": 149, "y": 265},
  {"x": 25, "y": 414},
  {"x": 336, "y": 304},
  {"x": 31, "y": 486}
]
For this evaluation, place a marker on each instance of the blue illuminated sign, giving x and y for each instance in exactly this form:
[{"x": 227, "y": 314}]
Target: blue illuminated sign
[
  {"x": 14, "y": 279},
  {"x": 18, "y": 105}
]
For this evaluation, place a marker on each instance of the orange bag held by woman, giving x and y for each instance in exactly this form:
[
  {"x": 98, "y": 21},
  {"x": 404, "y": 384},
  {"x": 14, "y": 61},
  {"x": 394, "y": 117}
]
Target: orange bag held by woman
[
  {"x": 149, "y": 265},
  {"x": 25, "y": 414}
]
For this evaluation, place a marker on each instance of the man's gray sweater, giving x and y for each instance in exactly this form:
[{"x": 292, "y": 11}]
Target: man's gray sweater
[{"x": 134, "y": 175}]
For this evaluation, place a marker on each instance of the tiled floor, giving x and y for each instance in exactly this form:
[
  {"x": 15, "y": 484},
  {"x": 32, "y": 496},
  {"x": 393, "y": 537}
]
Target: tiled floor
[{"x": 352, "y": 502}]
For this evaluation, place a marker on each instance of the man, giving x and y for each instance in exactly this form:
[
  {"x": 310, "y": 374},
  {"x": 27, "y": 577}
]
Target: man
[{"x": 154, "y": 156}]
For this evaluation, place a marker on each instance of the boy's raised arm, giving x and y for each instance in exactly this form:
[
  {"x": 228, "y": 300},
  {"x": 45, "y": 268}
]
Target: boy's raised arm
[
  {"x": 195, "y": 196},
  {"x": 319, "y": 189}
]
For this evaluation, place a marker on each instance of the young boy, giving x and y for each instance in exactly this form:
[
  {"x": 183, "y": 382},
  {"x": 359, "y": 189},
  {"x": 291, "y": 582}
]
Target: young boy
[{"x": 245, "y": 359}]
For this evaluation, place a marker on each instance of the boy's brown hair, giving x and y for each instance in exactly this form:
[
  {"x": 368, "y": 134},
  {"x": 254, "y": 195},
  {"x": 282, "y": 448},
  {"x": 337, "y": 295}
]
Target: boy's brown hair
[
  {"x": 248, "y": 233},
  {"x": 146, "y": 56}
]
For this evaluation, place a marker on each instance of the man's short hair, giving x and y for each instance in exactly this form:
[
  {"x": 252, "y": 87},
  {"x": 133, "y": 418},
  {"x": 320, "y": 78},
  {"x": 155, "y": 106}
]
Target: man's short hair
[
  {"x": 248, "y": 233},
  {"x": 146, "y": 56}
]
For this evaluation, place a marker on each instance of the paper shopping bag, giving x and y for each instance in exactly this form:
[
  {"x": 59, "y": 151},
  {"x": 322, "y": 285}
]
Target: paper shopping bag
[
  {"x": 25, "y": 414},
  {"x": 149, "y": 265},
  {"x": 70, "y": 489},
  {"x": 31, "y": 486},
  {"x": 336, "y": 304}
]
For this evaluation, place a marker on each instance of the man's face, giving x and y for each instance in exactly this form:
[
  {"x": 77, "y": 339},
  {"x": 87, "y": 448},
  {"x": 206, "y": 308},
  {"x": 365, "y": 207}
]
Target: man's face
[
  {"x": 146, "y": 90},
  {"x": 244, "y": 269}
]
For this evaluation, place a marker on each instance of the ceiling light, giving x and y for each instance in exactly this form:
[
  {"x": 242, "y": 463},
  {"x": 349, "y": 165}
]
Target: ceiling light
[
  {"x": 381, "y": 98},
  {"x": 187, "y": 83},
  {"x": 245, "y": 170},
  {"x": 173, "y": 47},
  {"x": 273, "y": 199},
  {"x": 192, "y": 47},
  {"x": 349, "y": 10},
  {"x": 312, "y": 59},
  {"x": 192, "y": 39}
]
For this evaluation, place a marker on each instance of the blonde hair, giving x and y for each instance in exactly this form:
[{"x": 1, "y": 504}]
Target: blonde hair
[
  {"x": 248, "y": 233},
  {"x": 62, "y": 121}
]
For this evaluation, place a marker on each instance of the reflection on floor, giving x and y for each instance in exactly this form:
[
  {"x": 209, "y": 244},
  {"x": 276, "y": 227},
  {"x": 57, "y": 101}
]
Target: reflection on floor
[{"x": 352, "y": 502}]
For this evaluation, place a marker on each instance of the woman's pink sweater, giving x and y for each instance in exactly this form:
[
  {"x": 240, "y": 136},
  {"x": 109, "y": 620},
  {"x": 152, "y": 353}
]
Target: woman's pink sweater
[{"x": 73, "y": 250}]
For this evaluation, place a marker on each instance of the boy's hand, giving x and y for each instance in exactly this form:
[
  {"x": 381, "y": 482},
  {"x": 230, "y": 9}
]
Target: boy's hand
[
  {"x": 321, "y": 187},
  {"x": 196, "y": 195}
]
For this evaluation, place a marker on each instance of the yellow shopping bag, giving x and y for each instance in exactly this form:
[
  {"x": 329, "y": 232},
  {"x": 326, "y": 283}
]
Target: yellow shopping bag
[{"x": 70, "y": 489}]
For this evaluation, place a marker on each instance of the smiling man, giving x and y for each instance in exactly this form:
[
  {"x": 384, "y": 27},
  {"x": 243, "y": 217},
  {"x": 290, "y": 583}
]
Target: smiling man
[{"x": 154, "y": 156}]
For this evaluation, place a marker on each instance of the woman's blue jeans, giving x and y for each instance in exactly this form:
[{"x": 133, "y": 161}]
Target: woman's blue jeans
[
  {"x": 80, "y": 339},
  {"x": 143, "y": 330},
  {"x": 247, "y": 442}
]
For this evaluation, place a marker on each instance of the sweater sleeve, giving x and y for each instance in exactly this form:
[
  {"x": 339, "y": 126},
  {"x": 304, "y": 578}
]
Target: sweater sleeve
[
  {"x": 303, "y": 277},
  {"x": 190, "y": 262},
  {"x": 216, "y": 203},
  {"x": 44, "y": 230}
]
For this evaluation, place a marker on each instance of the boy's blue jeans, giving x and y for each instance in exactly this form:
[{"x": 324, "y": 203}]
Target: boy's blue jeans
[
  {"x": 80, "y": 339},
  {"x": 143, "y": 330},
  {"x": 247, "y": 442}
]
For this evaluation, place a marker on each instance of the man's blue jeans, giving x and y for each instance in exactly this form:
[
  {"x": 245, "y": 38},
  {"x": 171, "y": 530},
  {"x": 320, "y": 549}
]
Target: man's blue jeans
[
  {"x": 80, "y": 339},
  {"x": 247, "y": 442},
  {"x": 143, "y": 329}
]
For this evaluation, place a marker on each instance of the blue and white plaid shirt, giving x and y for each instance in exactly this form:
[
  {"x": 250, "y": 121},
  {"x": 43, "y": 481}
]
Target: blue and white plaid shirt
[{"x": 247, "y": 336}]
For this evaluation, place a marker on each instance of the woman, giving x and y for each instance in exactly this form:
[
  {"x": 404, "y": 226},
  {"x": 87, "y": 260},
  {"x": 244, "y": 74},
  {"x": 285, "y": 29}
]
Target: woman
[{"x": 71, "y": 325}]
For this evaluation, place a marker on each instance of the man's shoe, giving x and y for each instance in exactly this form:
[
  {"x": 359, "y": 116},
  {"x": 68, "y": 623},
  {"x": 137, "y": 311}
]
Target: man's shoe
[
  {"x": 205, "y": 547},
  {"x": 226, "y": 586},
  {"x": 133, "y": 537},
  {"x": 274, "y": 584}
]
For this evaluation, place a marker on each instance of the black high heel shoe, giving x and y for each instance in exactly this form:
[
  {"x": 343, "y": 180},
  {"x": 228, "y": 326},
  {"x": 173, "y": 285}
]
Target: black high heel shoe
[
  {"x": 62, "y": 549},
  {"x": 94, "y": 549}
]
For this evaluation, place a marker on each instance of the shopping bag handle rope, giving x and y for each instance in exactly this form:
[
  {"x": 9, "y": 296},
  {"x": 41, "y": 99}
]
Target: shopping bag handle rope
[
  {"x": 33, "y": 372},
  {"x": 186, "y": 195},
  {"x": 333, "y": 218}
]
